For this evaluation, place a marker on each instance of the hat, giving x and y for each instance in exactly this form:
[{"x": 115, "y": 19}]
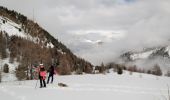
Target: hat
[{"x": 41, "y": 64}]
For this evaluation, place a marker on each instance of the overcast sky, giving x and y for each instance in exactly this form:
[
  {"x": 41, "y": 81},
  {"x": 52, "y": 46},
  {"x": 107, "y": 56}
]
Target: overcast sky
[{"x": 100, "y": 30}]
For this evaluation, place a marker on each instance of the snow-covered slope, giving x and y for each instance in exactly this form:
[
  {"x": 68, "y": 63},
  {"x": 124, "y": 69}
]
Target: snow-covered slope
[
  {"x": 146, "y": 54},
  {"x": 91, "y": 87},
  {"x": 12, "y": 66},
  {"x": 142, "y": 55},
  {"x": 168, "y": 50},
  {"x": 11, "y": 28}
]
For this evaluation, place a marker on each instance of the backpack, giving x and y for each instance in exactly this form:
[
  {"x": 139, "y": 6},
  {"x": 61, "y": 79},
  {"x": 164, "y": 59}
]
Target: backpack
[{"x": 43, "y": 74}]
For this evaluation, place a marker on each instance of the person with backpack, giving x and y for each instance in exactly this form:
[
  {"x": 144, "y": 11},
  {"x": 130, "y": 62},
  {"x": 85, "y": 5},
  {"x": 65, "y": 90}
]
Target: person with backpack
[
  {"x": 42, "y": 75},
  {"x": 51, "y": 72}
]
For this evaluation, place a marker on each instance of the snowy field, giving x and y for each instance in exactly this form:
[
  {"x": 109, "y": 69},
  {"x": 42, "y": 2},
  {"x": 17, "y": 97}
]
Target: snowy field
[{"x": 91, "y": 87}]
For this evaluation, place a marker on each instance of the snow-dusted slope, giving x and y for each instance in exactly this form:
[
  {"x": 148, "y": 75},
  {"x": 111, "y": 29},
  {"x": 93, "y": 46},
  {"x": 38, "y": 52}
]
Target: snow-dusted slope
[
  {"x": 142, "y": 55},
  {"x": 91, "y": 87},
  {"x": 11, "y": 28},
  {"x": 12, "y": 66},
  {"x": 146, "y": 54},
  {"x": 168, "y": 50}
]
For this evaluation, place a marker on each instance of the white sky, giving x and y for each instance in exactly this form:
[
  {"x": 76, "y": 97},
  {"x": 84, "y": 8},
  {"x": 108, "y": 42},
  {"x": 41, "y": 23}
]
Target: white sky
[{"x": 121, "y": 25}]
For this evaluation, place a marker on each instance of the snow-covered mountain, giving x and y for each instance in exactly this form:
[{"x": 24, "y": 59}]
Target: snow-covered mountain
[{"x": 147, "y": 54}]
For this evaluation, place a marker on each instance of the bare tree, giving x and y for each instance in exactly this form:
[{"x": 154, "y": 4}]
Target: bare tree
[{"x": 21, "y": 73}]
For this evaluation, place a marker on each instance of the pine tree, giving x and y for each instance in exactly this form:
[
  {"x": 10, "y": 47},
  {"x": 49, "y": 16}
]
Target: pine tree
[
  {"x": 102, "y": 68},
  {"x": 119, "y": 69},
  {"x": 157, "y": 70},
  {"x": 6, "y": 68}
]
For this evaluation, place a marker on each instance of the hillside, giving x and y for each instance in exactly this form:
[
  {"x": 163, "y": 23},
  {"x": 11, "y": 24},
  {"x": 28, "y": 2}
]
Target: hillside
[{"x": 24, "y": 44}]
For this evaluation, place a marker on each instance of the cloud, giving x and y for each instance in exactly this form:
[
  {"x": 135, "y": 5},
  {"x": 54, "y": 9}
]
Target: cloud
[{"x": 135, "y": 24}]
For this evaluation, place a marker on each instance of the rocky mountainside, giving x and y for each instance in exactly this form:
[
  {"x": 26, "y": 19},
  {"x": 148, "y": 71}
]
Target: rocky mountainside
[{"x": 25, "y": 43}]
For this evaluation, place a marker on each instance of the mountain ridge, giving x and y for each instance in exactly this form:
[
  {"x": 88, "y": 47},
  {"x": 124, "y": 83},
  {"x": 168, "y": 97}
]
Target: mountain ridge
[{"x": 163, "y": 51}]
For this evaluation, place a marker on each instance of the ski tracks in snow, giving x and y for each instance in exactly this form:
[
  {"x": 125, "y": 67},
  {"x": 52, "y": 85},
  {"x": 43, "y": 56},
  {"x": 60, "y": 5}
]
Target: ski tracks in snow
[
  {"x": 111, "y": 88},
  {"x": 11, "y": 93},
  {"x": 84, "y": 87}
]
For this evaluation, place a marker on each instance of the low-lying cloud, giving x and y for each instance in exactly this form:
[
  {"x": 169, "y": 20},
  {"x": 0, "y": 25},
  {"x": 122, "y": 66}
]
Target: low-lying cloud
[{"x": 119, "y": 25}]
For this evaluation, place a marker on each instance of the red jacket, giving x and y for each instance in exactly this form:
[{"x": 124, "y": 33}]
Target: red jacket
[{"x": 42, "y": 72}]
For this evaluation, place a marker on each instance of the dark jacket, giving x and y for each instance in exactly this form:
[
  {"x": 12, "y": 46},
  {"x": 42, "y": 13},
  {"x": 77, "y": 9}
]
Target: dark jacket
[{"x": 51, "y": 70}]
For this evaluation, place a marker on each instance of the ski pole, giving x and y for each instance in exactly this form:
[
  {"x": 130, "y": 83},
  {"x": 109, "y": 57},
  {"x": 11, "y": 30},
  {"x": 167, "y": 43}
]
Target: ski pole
[{"x": 36, "y": 84}]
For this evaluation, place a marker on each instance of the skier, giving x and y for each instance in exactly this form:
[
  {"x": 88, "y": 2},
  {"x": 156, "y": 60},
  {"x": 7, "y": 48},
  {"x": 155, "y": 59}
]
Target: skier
[
  {"x": 42, "y": 75},
  {"x": 51, "y": 71}
]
